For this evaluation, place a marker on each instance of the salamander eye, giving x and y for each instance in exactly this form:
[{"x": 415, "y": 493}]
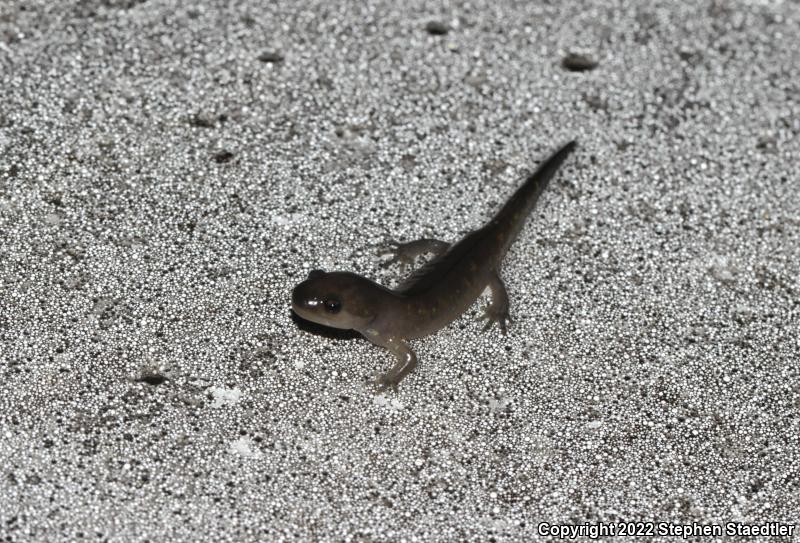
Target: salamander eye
[{"x": 332, "y": 305}]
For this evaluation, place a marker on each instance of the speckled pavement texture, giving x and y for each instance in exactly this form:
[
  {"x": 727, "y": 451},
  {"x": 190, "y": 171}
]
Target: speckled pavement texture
[{"x": 170, "y": 169}]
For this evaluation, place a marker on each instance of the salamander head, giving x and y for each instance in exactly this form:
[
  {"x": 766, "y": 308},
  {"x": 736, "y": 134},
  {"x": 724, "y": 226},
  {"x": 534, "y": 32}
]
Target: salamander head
[{"x": 337, "y": 299}]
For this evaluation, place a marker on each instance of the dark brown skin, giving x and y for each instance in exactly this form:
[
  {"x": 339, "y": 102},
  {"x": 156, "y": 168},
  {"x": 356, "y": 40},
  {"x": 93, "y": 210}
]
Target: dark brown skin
[{"x": 435, "y": 294}]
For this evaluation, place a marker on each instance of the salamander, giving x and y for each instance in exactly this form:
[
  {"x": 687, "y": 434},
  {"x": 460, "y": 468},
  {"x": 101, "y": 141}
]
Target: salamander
[{"x": 435, "y": 294}]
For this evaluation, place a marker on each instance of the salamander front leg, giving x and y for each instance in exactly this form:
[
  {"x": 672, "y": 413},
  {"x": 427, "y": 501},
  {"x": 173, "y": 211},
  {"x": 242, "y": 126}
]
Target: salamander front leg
[
  {"x": 406, "y": 362},
  {"x": 497, "y": 310},
  {"x": 405, "y": 253}
]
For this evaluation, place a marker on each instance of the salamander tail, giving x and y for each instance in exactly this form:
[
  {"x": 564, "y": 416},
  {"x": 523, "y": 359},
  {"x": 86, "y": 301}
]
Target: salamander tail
[{"x": 510, "y": 219}]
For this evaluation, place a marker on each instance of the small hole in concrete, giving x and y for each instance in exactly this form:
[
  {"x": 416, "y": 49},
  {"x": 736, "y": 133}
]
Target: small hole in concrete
[{"x": 152, "y": 378}]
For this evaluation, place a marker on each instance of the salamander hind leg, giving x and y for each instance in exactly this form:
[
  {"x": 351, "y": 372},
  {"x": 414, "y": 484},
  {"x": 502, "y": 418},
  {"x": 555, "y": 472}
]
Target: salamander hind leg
[
  {"x": 405, "y": 253},
  {"x": 497, "y": 310},
  {"x": 405, "y": 364}
]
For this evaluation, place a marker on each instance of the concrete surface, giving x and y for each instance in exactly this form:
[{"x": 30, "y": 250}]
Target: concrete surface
[{"x": 170, "y": 169}]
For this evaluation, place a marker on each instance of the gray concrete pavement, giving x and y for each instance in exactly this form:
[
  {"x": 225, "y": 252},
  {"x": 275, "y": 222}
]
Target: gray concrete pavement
[{"x": 170, "y": 169}]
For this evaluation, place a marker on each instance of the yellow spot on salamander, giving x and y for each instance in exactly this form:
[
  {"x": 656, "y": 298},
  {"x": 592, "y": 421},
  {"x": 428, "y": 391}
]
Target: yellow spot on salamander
[{"x": 372, "y": 332}]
